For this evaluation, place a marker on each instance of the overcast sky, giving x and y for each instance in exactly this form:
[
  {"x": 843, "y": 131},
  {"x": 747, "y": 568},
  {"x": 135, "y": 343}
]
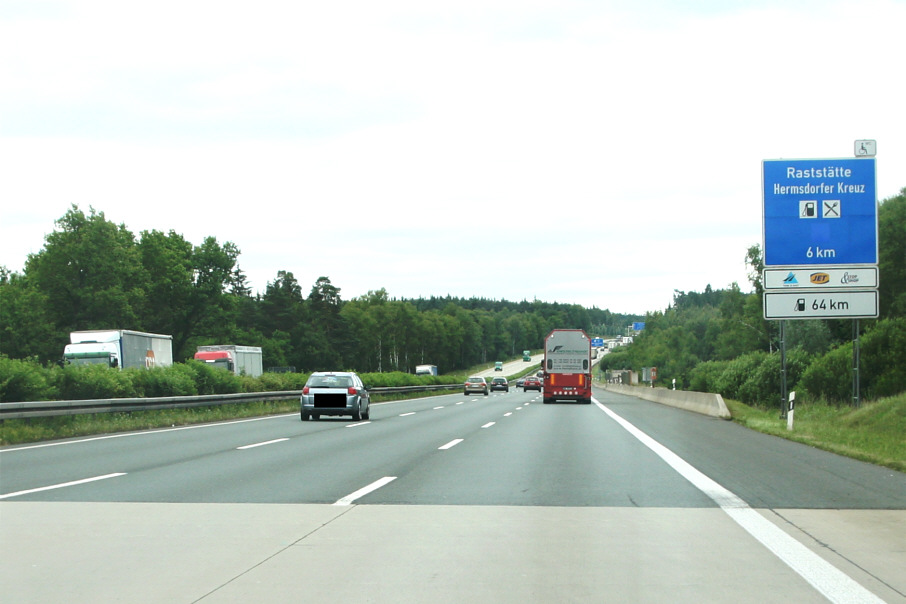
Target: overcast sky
[{"x": 592, "y": 152}]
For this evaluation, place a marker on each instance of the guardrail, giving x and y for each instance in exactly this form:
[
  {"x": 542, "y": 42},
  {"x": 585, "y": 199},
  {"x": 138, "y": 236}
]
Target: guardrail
[{"x": 117, "y": 405}]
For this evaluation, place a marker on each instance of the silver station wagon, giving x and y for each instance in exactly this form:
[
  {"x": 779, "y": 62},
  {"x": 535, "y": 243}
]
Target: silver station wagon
[{"x": 335, "y": 393}]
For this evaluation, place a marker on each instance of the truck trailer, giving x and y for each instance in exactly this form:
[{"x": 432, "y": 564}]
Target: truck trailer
[
  {"x": 236, "y": 359},
  {"x": 567, "y": 366},
  {"x": 119, "y": 348},
  {"x": 426, "y": 370}
]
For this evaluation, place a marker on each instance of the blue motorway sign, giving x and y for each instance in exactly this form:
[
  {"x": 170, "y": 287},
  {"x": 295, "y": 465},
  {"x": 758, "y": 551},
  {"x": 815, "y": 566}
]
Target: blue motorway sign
[
  {"x": 820, "y": 212},
  {"x": 597, "y": 342}
]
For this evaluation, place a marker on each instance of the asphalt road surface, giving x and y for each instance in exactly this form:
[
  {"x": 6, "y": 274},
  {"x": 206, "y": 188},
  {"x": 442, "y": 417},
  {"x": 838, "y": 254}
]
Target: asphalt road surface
[{"x": 451, "y": 499}]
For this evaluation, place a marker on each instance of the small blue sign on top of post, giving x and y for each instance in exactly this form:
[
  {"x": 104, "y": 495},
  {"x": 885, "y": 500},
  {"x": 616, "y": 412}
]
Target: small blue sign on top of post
[{"x": 820, "y": 212}]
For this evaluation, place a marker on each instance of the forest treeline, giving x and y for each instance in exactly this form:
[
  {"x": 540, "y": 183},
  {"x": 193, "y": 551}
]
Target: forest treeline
[
  {"x": 94, "y": 274},
  {"x": 718, "y": 340}
]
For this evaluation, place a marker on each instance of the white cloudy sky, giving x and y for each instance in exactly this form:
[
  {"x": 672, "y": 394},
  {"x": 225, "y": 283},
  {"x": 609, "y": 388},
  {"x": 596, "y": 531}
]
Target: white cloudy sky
[{"x": 595, "y": 152}]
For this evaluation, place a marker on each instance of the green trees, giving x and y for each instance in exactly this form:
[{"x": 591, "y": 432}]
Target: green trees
[
  {"x": 93, "y": 274},
  {"x": 892, "y": 255},
  {"x": 90, "y": 273}
]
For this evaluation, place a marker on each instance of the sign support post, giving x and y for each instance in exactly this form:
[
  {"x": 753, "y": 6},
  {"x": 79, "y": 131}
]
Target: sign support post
[
  {"x": 857, "y": 402},
  {"x": 782, "y": 369}
]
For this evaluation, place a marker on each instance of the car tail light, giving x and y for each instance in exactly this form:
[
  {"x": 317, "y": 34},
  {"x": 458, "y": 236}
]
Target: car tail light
[
  {"x": 352, "y": 390},
  {"x": 305, "y": 390}
]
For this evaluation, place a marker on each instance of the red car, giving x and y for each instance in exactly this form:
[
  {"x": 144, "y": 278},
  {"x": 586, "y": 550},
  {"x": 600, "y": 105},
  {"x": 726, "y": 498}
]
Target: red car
[{"x": 531, "y": 383}]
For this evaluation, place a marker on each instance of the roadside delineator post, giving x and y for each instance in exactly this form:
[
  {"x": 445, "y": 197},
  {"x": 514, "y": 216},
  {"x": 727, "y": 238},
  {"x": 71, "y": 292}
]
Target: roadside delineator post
[{"x": 789, "y": 415}]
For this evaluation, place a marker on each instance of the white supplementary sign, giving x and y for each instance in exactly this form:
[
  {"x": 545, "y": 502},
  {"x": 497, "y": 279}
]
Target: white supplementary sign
[
  {"x": 866, "y": 148},
  {"x": 809, "y": 304},
  {"x": 810, "y": 277}
]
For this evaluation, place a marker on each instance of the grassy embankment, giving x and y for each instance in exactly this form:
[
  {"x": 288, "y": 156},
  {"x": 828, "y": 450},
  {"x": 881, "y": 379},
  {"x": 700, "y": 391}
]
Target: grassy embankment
[{"x": 874, "y": 432}]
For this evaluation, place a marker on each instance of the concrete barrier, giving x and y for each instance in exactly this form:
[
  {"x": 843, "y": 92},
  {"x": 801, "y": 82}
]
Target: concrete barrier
[{"x": 699, "y": 402}]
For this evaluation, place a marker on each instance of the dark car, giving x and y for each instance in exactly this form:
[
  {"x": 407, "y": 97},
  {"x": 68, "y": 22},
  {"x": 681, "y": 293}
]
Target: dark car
[
  {"x": 475, "y": 384},
  {"x": 500, "y": 383},
  {"x": 335, "y": 393},
  {"x": 532, "y": 383}
]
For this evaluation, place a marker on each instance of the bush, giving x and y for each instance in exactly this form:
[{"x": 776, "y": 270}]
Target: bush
[
  {"x": 881, "y": 368},
  {"x": 274, "y": 382},
  {"x": 830, "y": 376},
  {"x": 176, "y": 380},
  {"x": 209, "y": 379},
  {"x": 81, "y": 382},
  {"x": 24, "y": 381},
  {"x": 762, "y": 387},
  {"x": 737, "y": 372},
  {"x": 394, "y": 379},
  {"x": 704, "y": 376},
  {"x": 883, "y": 358}
]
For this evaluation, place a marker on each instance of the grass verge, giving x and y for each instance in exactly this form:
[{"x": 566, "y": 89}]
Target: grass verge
[
  {"x": 873, "y": 432},
  {"x": 18, "y": 431}
]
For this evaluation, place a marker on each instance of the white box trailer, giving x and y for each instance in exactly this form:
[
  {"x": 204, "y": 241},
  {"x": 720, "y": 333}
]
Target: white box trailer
[
  {"x": 119, "y": 348},
  {"x": 246, "y": 360},
  {"x": 567, "y": 366}
]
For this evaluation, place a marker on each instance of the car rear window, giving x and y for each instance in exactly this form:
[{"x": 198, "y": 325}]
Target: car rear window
[{"x": 329, "y": 381}]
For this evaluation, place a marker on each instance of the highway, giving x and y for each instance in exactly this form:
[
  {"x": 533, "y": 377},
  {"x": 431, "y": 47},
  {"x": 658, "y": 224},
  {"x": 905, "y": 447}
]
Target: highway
[{"x": 447, "y": 499}]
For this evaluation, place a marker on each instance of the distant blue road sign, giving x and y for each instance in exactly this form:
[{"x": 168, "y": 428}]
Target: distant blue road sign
[
  {"x": 638, "y": 326},
  {"x": 597, "y": 342},
  {"x": 820, "y": 212}
]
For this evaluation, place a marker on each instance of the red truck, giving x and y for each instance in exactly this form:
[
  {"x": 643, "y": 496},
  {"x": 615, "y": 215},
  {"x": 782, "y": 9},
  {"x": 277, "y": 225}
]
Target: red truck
[{"x": 567, "y": 366}]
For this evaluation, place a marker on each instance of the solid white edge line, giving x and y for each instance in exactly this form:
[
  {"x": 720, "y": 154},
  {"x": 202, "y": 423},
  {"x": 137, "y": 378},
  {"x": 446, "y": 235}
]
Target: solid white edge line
[
  {"x": 365, "y": 490},
  {"x": 450, "y": 444},
  {"x": 268, "y": 442},
  {"x": 831, "y": 582},
  {"x": 60, "y": 486}
]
